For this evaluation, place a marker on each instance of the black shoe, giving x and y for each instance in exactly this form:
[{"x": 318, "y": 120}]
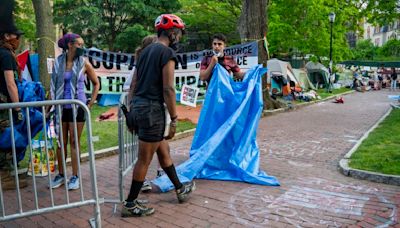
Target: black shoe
[
  {"x": 184, "y": 192},
  {"x": 160, "y": 172},
  {"x": 135, "y": 209}
]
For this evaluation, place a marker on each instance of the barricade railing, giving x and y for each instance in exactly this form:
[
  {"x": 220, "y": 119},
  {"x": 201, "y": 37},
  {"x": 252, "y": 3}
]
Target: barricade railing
[
  {"x": 43, "y": 202},
  {"x": 128, "y": 150}
]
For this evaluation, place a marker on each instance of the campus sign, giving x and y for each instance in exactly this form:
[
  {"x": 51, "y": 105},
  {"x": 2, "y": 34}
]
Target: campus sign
[{"x": 114, "y": 68}]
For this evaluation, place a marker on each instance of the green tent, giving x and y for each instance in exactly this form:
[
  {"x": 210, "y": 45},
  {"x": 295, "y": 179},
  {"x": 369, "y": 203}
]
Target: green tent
[
  {"x": 318, "y": 74},
  {"x": 303, "y": 79}
]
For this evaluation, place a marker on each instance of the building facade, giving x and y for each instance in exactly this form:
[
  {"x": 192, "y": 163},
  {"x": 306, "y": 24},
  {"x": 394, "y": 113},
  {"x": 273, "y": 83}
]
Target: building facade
[{"x": 379, "y": 35}]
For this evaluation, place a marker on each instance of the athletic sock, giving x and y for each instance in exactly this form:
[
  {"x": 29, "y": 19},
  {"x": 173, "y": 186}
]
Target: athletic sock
[
  {"x": 171, "y": 172},
  {"x": 134, "y": 191}
]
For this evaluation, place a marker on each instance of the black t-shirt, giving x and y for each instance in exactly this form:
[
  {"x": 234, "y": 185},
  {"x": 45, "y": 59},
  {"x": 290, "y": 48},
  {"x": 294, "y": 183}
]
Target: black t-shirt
[
  {"x": 149, "y": 82},
  {"x": 394, "y": 75},
  {"x": 7, "y": 62}
]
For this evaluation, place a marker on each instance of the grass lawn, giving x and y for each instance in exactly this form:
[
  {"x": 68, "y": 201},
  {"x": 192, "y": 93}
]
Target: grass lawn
[
  {"x": 324, "y": 94},
  {"x": 106, "y": 132},
  {"x": 380, "y": 152}
]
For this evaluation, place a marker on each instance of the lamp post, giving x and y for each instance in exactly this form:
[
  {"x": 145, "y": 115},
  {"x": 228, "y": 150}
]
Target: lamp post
[{"x": 331, "y": 20}]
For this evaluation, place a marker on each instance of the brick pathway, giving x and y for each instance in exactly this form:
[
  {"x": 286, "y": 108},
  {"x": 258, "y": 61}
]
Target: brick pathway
[{"x": 301, "y": 148}]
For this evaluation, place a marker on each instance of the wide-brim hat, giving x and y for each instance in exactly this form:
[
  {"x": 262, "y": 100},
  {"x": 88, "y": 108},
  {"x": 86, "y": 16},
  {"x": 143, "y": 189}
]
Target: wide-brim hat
[{"x": 7, "y": 24}]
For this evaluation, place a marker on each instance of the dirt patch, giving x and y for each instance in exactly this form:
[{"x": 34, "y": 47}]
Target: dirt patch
[{"x": 184, "y": 113}]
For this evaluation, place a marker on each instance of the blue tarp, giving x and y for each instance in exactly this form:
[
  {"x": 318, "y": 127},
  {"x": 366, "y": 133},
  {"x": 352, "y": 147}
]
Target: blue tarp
[
  {"x": 28, "y": 92},
  {"x": 224, "y": 146}
]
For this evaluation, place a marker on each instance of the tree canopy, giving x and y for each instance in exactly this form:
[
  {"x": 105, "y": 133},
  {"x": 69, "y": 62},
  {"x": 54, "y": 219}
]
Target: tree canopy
[{"x": 111, "y": 24}]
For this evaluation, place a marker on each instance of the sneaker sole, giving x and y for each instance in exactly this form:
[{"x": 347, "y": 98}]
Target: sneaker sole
[
  {"x": 187, "y": 198},
  {"x": 74, "y": 188},
  {"x": 57, "y": 186},
  {"x": 146, "y": 189},
  {"x": 126, "y": 215}
]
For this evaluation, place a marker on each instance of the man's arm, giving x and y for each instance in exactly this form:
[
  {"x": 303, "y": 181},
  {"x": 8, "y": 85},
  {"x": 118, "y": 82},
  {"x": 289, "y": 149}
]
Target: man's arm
[
  {"x": 11, "y": 86},
  {"x": 95, "y": 81},
  {"x": 205, "y": 74},
  {"x": 169, "y": 95},
  {"x": 169, "y": 87}
]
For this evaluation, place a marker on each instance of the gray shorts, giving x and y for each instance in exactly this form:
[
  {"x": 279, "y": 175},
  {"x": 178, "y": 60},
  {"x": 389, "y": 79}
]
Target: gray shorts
[{"x": 149, "y": 119}]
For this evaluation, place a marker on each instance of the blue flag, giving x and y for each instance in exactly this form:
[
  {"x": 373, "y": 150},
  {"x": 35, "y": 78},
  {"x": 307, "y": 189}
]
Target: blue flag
[{"x": 224, "y": 146}]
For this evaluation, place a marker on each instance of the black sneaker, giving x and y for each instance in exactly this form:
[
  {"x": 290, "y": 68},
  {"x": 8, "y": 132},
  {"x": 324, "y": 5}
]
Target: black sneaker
[
  {"x": 146, "y": 187},
  {"x": 135, "y": 209},
  {"x": 184, "y": 192},
  {"x": 160, "y": 172}
]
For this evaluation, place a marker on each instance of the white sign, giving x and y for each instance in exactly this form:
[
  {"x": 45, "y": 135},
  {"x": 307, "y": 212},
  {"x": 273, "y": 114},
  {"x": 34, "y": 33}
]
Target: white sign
[
  {"x": 50, "y": 64},
  {"x": 189, "y": 95}
]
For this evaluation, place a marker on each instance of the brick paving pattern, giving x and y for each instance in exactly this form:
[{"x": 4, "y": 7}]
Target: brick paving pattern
[{"x": 301, "y": 148}]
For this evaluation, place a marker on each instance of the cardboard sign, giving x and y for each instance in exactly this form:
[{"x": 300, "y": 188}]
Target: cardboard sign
[{"x": 189, "y": 95}]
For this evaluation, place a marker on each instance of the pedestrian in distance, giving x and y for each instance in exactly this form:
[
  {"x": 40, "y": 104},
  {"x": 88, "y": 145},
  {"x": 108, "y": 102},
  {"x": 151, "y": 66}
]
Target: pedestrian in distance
[
  {"x": 68, "y": 82},
  {"x": 153, "y": 85},
  {"x": 218, "y": 45},
  {"x": 393, "y": 77}
]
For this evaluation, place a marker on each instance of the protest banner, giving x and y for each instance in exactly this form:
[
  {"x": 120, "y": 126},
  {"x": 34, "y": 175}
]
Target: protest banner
[{"x": 113, "y": 68}]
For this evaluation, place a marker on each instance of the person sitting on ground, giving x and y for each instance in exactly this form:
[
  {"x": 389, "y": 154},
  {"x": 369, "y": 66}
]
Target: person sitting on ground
[{"x": 218, "y": 56}]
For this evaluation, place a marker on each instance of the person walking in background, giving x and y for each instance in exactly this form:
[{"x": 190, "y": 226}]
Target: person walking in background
[
  {"x": 218, "y": 56},
  {"x": 153, "y": 84},
  {"x": 393, "y": 77},
  {"x": 68, "y": 82}
]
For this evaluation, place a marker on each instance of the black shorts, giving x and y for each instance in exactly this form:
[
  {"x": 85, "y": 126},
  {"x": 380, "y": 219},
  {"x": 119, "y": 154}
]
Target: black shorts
[
  {"x": 67, "y": 115},
  {"x": 148, "y": 119}
]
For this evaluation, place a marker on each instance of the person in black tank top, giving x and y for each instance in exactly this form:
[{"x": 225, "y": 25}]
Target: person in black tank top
[{"x": 153, "y": 85}]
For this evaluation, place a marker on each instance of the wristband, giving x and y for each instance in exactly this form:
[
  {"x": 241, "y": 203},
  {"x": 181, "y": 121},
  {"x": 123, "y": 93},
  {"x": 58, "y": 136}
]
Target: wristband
[{"x": 174, "y": 118}]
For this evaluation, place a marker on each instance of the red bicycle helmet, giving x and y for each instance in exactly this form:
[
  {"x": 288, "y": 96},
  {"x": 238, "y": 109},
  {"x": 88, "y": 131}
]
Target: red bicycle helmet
[{"x": 168, "y": 21}]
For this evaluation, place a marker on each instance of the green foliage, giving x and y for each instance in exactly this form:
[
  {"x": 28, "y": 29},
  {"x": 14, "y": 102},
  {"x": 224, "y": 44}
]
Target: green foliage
[
  {"x": 303, "y": 27},
  {"x": 365, "y": 50},
  {"x": 25, "y": 19},
  {"x": 204, "y": 18},
  {"x": 130, "y": 36},
  {"x": 382, "y": 12},
  {"x": 390, "y": 49},
  {"x": 103, "y": 22},
  {"x": 380, "y": 151}
]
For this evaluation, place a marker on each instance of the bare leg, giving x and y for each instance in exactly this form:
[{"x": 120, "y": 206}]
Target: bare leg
[
  {"x": 146, "y": 152},
  {"x": 163, "y": 154},
  {"x": 65, "y": 143},
  {"x": 74, "y": 155}
]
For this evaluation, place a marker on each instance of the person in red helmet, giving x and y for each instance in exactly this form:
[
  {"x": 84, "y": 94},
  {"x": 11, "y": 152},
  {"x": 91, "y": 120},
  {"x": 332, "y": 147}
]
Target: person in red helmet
[{"x": 152, "y": 86}]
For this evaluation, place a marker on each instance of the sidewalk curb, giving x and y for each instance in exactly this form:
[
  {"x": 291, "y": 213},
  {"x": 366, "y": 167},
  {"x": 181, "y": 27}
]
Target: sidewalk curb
[
  {"x": 114, "y": 150},
  {"x": 346, "y": 170}
]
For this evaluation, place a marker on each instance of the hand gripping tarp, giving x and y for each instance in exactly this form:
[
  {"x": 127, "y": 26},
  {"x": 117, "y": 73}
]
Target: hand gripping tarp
[{"x": 224, "y": 146}]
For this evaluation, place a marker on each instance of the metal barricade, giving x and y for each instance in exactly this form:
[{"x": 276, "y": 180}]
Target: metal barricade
[
  {"x": 128, "y": 150},
  {"x": 39, "y": 187}
]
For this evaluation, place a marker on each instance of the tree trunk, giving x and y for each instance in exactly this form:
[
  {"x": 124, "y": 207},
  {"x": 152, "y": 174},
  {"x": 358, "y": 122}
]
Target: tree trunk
[
  {"x": 45, "y": 33},
  {"x": 253, "y": 26}
]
